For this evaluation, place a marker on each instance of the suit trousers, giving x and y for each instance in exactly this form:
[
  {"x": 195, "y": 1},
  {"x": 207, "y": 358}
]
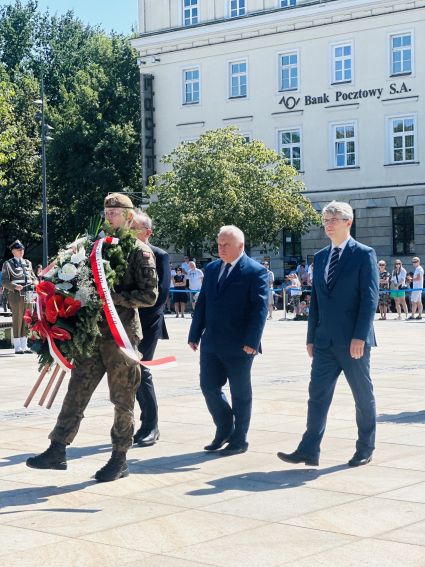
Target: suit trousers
[
  {"x": 216, "y": 369},
  {"x": 327, "y": 365},
  {"x": 146, "y": 392}
]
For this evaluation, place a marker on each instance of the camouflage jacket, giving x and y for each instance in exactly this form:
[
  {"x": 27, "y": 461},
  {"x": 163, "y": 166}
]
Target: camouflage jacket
[{"x": 139, "y": 288}]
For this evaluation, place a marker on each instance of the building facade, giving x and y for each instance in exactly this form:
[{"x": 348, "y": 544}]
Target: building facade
[{"x": 337, "y": 86}]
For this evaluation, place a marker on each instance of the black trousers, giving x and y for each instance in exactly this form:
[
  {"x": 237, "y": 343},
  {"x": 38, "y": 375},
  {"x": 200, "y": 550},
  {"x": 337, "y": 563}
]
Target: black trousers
[{"x": 152, "y": 331}]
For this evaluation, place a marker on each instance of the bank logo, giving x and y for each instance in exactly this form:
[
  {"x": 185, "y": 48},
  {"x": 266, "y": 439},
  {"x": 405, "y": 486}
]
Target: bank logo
[{"x": 289, "y": 102}]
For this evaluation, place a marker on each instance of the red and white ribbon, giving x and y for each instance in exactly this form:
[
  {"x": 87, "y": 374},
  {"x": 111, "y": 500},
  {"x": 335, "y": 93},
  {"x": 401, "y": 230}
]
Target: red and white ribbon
[
  {"x": 115, "y": 325},
  {"x": 55, "y": 353}
]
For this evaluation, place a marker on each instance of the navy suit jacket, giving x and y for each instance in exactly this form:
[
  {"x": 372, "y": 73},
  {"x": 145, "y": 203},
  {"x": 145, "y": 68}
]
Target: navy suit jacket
[
  {"x": 346, "y": 310},
  {"x": 227, "y": 321},
  {"x": 152, "y": 318}
]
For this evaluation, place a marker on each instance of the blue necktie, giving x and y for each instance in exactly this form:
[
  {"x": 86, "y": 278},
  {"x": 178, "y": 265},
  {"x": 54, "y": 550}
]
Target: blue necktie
[
  {"x": 333, "y": 266},
  {"x": 223, "y": 277}
]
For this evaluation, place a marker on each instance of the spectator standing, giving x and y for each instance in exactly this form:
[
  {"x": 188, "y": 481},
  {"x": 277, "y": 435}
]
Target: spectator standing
[
  {"x": 270, "y": 279},
  {"x": 398, "y": 285},
  {"x": 194, "y": 278},
  {"x": 384, "y": 285},
  {"x": 179, "y": 297},
  {"x": 185, "y": 265},
  {"x": 18, "y": 278},
  {"x": 310, "y": 274},
  {"x": 170, "y": 293},
  {"x": 295, "y": 290},
  {"x": 417, "y": 285}
]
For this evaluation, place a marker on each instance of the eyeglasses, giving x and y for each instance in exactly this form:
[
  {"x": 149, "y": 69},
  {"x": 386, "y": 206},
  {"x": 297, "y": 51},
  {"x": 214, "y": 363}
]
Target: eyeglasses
[
  {"x": 381, "y": 265},
  {"x": 398, "y": 263},
  {"x": 415, "y": 261},
  {"x": 332, "y": 220}
]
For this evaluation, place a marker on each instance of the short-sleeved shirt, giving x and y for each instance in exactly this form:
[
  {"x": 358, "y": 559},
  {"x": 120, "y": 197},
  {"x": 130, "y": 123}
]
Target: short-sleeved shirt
[
  {"x": 195, "y": 278},
  {"x": 417, "y": 284}
]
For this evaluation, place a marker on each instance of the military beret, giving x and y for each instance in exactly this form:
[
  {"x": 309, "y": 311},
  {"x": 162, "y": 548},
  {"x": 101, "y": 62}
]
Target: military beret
[
  {"x": 17, "y": 245},
  {"x": 118, "y": 201}
]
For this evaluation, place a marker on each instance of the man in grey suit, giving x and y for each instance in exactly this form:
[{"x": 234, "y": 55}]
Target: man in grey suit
[{"x": 340, "y": 334}]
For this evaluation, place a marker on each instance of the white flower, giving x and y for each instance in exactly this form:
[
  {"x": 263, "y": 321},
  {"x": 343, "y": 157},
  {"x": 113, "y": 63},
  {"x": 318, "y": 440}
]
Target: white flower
[
  {"x": 79, "y": 256},
  {"x": 67, "y": 272},
  {"x": 64, "y": 286}
]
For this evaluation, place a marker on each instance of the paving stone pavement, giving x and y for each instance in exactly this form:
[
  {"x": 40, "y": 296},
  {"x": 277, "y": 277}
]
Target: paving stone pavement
[{"x": 181, "y": 507}]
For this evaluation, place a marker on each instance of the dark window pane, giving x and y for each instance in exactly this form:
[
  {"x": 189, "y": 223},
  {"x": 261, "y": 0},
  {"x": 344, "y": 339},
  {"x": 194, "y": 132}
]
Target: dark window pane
[{"x": 403, "y": 230}]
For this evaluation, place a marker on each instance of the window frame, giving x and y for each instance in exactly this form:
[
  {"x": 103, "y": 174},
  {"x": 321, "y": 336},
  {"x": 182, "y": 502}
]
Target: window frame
[
  {"x": 333, "y": 46},
  {"x": 291, "y": 129},
  {"x": 185, "y": 70},
  {"x": 281, "y": 54},
  {"x": 408, "y": 226},
  {"x": 230, "y": 76},
  {"x": 190, "y": 8},
  {"x": 290, "y": 5},
  {"x": 390, "y": 138},
  {"x": 333, "y": 141},
  {"x": 391, "y": 35},
  {"x": 238, "y": 15}
]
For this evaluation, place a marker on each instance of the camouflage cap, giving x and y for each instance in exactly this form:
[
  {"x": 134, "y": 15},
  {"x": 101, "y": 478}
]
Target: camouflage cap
[{"x": 118, "y": 201}]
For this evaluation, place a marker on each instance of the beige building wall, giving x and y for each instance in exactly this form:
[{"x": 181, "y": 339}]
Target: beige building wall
[{"x": 311, "y": 30}]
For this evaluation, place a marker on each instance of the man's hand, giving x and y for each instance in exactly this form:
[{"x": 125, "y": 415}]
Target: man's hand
[
  {"x": 249, "y": 350},
  {"x": 193, "y": 346},
  {"x": 19, "y": 287},
  {"x": 357, "y": 348},
  {"x": 310, "y": 350}
]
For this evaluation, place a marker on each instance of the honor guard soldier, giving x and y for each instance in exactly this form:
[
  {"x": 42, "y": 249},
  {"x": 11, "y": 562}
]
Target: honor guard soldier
[
  {"x": 18, "y": 279},
  {"x": 138, "y": 288}
]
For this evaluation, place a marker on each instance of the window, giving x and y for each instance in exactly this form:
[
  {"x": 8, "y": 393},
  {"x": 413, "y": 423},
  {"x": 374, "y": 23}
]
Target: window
[
  {"x": 403, "y": 231},
  {"x": 342, "y": 63},
  {"x": 190, "y": 12},
  {"x": 290, "y": 146},
  {"x": 345, "y": 146},
  {"x": 191, "y": 86},
  {"x": 238, "y": 83},
  {"x": 401, "y": 54},
  {"x": 237, "y": 8},
  {"x": 287, "y": 3},
  {"x": 288, "y": 71},
  {"x": 402, "y": 139}
]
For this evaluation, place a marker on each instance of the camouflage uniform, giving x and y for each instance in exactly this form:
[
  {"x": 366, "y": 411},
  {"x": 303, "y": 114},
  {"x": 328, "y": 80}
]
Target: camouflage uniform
[{"x": 138, "y": 289}]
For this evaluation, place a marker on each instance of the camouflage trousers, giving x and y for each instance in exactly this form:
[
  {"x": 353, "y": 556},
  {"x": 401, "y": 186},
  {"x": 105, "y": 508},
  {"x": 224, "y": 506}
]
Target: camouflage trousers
[{"x": 123, "y": 381}]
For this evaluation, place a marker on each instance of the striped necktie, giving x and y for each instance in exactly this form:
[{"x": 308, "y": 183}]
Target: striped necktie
[
  {"x": 333, "y": 264},
  {"x": 223, "y": 277}
]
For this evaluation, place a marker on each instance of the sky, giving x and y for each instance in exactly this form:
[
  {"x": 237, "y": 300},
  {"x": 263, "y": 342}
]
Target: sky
[{"x": 117, "y": 15}]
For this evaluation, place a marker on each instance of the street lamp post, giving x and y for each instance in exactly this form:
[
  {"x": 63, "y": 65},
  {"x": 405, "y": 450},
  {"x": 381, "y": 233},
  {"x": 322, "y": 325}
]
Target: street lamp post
[{"x": 44, "y": 139}]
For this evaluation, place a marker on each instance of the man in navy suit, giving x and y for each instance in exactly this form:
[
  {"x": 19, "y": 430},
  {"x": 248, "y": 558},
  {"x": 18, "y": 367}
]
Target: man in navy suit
[
  {"x": 228, "y": 321},
  {"x": 340, "y": 334},
  {"x": 153, "y": 328}
]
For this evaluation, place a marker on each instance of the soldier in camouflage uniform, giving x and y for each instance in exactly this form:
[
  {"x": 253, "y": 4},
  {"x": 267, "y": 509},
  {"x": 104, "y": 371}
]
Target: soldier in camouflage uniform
[{"x": 139, "y": 288}]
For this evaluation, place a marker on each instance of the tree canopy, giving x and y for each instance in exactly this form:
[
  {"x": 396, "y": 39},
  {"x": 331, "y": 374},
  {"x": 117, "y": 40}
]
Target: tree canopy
[
  {"x": 222, "y": 179},
  {"x": 91, "y": 84},
  {"x": 7, "y": 125}
]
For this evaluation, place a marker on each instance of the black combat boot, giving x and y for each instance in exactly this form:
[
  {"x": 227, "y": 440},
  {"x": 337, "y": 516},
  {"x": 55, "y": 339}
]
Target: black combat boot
[
  {"x": 114, "y": 469},
  {"x": 53, "y": 458}
]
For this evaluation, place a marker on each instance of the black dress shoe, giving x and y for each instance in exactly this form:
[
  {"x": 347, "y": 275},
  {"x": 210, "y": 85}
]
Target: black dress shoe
[
  {"x": 234, "y": 449},
  {"x": 298, "y": 457},
  {"x": 217, "y": 443},
  {"x": 359, "y": 460},
  {"x": 150, "y": 439}
]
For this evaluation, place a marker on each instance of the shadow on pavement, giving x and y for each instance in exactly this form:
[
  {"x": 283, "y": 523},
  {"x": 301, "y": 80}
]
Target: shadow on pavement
[
  {"x": 171, "y": 464},
  {"x": 38, "y": 494},
  {"x": 265, "y": 481},
  {"x": 71, "y": 454},
  {"x": 402, "y": 417}
]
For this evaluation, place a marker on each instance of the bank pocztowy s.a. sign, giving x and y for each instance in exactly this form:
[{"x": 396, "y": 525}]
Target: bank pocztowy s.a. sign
[{"x": 340, "y": 97}]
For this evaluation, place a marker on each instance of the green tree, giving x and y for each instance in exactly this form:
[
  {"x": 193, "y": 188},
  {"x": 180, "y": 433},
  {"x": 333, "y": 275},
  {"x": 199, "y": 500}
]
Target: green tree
[
  {"x": 7, "y": 125},
  {"x": 222, "y": 179}
]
